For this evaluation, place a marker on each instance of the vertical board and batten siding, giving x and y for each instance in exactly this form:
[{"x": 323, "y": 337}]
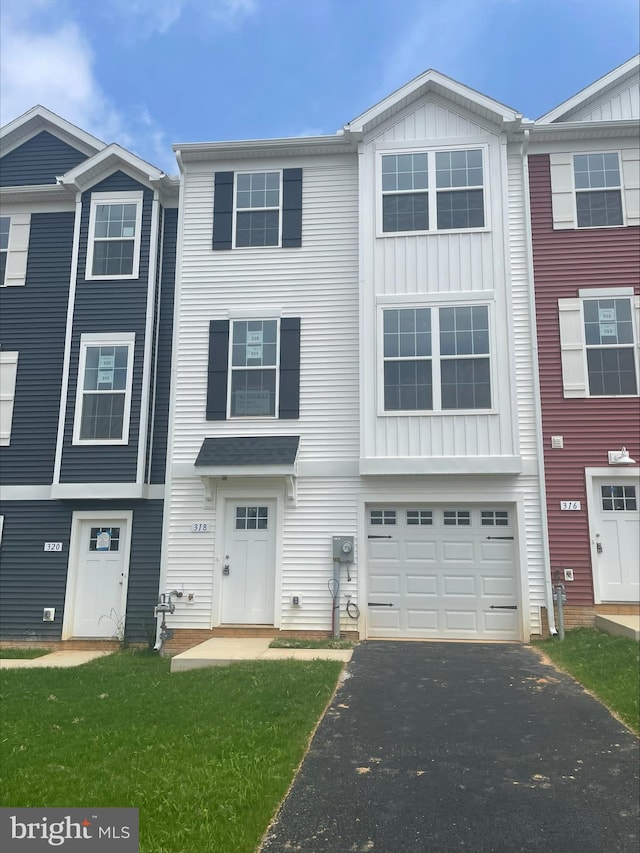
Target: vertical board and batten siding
[
  {"x": 318, "y": 283},
  {"x": 33, "y": 323},
  {"x": 564, "y": 262},
  {"x": 39, "y": 160},
  {"x": 101, "y": 307},
  {"x": 162, "y": 347},
  {"x": 433, "y": 265},
  {"x": 25, "y": 565},
  {"x": 622, "y": 104}
]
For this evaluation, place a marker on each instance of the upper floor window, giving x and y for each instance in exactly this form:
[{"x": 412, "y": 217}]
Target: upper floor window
[
  {"x": 599, "y": 343},
  {"x": 113, "y": 249},
  {"x": 254, "y": 368},
  {"x": 14, "y": 248},
  {"x": 598, "y": 190},
  {"x": 436, "y": 359},
  {"x": 608, "y": 331},
  {"x": 8, "y": 373},
  {"x": 258, "y": 209},
  {"x": 432, "y": 191},
  {"x": 103, "y": 396}
]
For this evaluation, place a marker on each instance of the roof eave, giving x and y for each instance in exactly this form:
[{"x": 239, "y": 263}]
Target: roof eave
[{"x": 193, "y": 152}]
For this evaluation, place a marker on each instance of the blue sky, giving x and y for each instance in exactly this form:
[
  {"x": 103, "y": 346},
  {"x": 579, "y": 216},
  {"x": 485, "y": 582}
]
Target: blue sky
[{"x": 148, "y": 73}]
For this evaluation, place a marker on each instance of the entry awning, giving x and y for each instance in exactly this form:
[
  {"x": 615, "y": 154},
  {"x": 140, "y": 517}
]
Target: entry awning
[{"x": 249, "y": 456}]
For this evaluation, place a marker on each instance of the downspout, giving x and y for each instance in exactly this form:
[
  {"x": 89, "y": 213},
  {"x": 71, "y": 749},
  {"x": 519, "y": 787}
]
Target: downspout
[{"x": 536, "y": 387}]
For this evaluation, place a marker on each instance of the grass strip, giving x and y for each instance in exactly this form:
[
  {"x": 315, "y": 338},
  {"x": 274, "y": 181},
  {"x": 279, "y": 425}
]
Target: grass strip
[
  {"x": 300, "y": 643},
  {"x": 7, "y": 653},
  {"x": 205, "y": 755},
  {"x": 609, "y": 667}
]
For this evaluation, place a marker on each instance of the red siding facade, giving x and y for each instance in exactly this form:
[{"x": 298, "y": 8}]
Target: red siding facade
[{"x": 565, "y": 261}]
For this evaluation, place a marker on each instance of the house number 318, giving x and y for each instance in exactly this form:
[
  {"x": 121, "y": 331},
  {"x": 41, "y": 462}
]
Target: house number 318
[{"x": 199, "y": 527}]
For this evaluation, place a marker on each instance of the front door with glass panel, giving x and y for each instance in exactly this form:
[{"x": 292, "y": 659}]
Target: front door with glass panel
[
  {"x": 248, "y": 567},
  {"x": 101, "y": 579},
  {"x": 616, "y": 533}
]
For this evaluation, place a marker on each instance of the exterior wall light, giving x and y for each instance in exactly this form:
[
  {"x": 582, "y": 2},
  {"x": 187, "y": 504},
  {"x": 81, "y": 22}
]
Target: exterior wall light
[{"x": 620, "y": 457}]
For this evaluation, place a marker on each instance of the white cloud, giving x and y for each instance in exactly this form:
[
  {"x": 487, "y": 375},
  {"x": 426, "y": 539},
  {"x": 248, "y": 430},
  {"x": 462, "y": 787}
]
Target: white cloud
[
  {"x": 157, "y": 17},
  {"x": 45, "y": 58}
]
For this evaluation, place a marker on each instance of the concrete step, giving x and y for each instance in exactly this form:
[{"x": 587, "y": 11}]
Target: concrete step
[
  {"x": 619, "y": 626},
  {"x": 220, "y": 651}
]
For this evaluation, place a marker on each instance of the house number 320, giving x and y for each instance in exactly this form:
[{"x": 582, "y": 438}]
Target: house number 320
[{"x": 199, "y": 527}]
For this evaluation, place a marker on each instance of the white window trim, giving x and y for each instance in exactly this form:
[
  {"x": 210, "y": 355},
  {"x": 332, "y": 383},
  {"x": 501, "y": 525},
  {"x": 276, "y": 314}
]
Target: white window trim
[
  {"x": 134, "y": 197},
  {"x": 92, "y": 340},
  {"x": 436, "y": 360},
  {"x": 9, "y": 369},
  {"x": 573, "y": 349},
  {"x": 563, "y": 190},
  {"x": 231, "y": 369},
  {"x": 237, "y": 209},
  {"x": 432, "y": 189},
  {"x": 17, "y": 249}
]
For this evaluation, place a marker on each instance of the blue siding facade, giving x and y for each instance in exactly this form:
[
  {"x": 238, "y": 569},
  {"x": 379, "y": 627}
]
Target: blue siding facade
[
  {"x": 33, "y": 323},
  {"x": 38, "y": 161}
]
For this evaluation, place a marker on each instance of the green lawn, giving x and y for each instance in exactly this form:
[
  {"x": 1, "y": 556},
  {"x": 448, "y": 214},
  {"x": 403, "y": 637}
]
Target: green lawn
[
  {"x": 22, "y": 654},
  {"x": 607, "y": 666},
  {"x": 206, "y": 755}
]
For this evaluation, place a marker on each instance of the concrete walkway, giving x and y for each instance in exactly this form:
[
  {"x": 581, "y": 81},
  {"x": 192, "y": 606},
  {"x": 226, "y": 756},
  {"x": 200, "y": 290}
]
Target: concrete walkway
[
  {"x": 221, "y": 651},
  {"x": 55, "y": 659},
  {"x": 433, "y": 747}
]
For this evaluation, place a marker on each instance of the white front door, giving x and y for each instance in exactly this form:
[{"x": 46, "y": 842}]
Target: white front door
[
  {"x": 616, "y": 536},
  {"x": 248, "y": 573},
  {"x": 100, "y": 573}
]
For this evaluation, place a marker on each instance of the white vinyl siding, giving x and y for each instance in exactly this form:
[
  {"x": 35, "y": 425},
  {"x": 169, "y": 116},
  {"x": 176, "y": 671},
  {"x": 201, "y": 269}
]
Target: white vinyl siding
[
  {"x": 563, "y": 187},
  {"x": 14, "y": 247}
]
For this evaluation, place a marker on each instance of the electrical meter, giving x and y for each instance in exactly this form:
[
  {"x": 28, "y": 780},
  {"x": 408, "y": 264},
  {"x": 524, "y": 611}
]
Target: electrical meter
[{"x": 343, "y": 549}]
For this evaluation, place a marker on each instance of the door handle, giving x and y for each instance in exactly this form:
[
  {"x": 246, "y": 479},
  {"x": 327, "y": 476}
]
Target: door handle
[{"x": 225, "y": 569}]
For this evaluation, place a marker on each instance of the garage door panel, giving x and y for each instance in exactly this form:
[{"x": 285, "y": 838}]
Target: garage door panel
[
  {"x": 424, "y": 552},
  {"x": 443, "y": 579},
  {"x": 421, "y": 584},
  {"x": 460, "y": 585}
]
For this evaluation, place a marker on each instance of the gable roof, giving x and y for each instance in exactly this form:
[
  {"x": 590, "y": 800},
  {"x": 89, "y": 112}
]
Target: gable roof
[
  {"x": 39, "y": 118},
  {"x": 446, "y": 87},
  {"x": 112, "y": 157},
  {"x": 566, "y": 111}
]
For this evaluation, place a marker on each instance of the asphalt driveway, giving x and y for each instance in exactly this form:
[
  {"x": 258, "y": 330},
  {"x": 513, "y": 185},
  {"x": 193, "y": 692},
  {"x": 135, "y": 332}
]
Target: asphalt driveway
[{"x": 450, "y": 746}]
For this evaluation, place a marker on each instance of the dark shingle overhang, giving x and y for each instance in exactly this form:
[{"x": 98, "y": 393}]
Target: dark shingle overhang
[{"x": 262, "y": 456}]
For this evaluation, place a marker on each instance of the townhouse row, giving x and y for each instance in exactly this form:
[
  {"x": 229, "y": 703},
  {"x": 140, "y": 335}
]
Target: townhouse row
[{"x": 383, "y": 382}]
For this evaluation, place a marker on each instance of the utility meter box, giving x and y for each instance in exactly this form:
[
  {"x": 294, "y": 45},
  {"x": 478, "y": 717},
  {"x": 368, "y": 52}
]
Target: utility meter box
[{"x": 343, "y": 549}]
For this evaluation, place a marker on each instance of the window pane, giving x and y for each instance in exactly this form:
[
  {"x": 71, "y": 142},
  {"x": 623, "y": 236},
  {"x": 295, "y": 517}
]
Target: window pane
[
  {"x": 407, "y": 386},
  {"x": 253, "y": 393},
  {"x": 407, "y": 332},
  {"x": 466, "y": 384},
  {"x": 404, "y": 172},
  {"x": 102, "y": 416},
  {"x": 461, "y": 209},
  {"x": 254, "y": 343},
  {"x": 405, "y": 212},
  {"x": 257, "y": 228},
  {"x": 258, "y": 190},
  {"x": 592, "y": 171},
  {"x": 464, "y": 330},
  {"x": 459, "y": 168},
  {"x": 611, "y": 371},
  {"x": 113, "y": 257},
  {"x": 5, "y": 222},
  {"x": 608, "y": 321},
  {"x": 599, "y": 209}
]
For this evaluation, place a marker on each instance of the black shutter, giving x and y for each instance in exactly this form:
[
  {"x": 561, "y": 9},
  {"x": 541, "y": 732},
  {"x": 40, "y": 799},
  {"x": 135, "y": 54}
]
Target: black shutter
[
  {"x": 217, "y": 370},
  {"x": 291, "y": 208},
  {"x": 289, "y": 407},
  {"x": 223, "y": 210}
]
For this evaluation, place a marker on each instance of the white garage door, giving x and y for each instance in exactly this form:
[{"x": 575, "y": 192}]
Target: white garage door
[{"x": 442, "y": 572}]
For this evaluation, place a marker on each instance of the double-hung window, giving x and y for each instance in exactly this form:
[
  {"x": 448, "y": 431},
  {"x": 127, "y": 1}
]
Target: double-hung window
[
  {"x": 436, "y": 359},
  {"x": 103, "y": 396},
  {"x": 254, "y": 368},
  {"x": 113, "y": 250},
  {"x": 258, "y": 197},
  {"x": 433, "y": 191},
  {"x": 598, "y": 190},
  {"x": 599, "y": 342}
]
